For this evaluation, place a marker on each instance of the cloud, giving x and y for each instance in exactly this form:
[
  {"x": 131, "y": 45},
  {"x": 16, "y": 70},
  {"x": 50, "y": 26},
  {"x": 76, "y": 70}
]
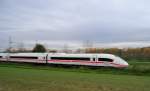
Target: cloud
[{"x": 75, "y": 20}]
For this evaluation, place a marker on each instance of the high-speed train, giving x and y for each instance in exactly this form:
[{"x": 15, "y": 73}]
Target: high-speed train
[{"x": 107, "y": 60}]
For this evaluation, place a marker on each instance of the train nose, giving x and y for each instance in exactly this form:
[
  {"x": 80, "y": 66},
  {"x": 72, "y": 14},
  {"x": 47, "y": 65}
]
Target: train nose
[
  {"x": 122, "y": 62},
  {"x": 125, "y": 64}
]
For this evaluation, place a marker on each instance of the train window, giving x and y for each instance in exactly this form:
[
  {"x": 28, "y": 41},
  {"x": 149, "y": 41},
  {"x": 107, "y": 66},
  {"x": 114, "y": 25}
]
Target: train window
[
  {"x": 70, "y": 58},
  {"x": 25, "y": 57},
  {"x": 105, "y": 59},
  {"x": 94, "y": 59}
]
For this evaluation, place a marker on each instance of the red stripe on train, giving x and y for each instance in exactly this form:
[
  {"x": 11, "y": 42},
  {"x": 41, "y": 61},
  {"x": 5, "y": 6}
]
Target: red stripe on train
[
  {"x": 119, "y": 65},
  {"x": 86, "y": 62}
]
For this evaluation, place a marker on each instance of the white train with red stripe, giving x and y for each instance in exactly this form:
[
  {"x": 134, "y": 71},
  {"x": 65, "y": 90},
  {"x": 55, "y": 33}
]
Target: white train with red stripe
[{"x": 63, "y": 58}]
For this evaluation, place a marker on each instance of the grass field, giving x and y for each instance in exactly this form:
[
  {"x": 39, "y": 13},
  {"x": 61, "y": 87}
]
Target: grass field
[{"x": 27, "y": 78}]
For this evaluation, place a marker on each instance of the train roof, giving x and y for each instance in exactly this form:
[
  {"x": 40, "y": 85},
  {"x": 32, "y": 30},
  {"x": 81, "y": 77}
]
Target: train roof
[{"x": 61, "y": 54}]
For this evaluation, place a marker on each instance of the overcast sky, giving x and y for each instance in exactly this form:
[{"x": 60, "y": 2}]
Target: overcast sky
[{"x": 59, "y": 22}]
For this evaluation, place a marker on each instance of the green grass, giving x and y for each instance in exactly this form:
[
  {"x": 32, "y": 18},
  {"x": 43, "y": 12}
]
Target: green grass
[
  {"x": 135, "y": 68},
  {"x": 141, "y": 68},
  {"x": 14, "y": 77}
]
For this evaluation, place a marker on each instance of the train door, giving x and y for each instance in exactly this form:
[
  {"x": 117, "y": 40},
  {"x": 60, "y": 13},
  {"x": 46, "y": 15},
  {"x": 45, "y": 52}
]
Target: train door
[
  {"x": 94, "y": 59},
  {"x": 43, "y": 58},
  {"x": 46, "y": 58}
]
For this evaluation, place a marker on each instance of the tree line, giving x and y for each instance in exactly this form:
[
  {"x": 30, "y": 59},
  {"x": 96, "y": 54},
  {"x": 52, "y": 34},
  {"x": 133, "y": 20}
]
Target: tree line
[{"x": 126, "y": 53}]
